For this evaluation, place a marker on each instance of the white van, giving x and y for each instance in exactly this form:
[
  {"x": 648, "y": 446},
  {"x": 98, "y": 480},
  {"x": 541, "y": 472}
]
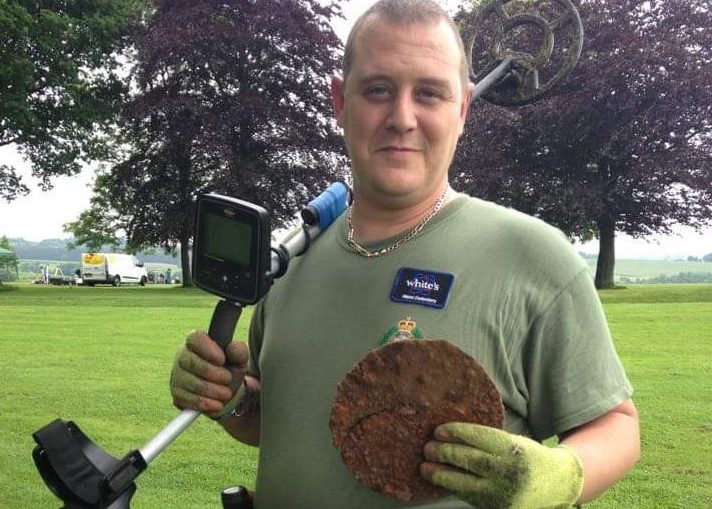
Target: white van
[{"x": 112, "y": 268}]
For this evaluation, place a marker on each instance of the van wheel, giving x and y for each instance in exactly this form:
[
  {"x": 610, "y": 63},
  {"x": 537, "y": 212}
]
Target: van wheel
[
  {"x": 143, "y": 281},
  {"x": 116, "y": 281}
]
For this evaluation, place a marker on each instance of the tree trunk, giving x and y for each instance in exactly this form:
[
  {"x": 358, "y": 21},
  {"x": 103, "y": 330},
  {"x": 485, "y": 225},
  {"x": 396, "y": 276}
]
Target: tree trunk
[
  {"x": 185, "y": 262},
  {"x": 606, "y": 253}
]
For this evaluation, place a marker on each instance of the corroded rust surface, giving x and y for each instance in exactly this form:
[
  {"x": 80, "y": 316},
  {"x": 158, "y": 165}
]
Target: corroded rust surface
[{"x": 388, "y": 405}]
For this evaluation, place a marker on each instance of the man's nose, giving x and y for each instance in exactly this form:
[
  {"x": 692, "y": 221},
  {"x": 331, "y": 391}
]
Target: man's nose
[{"x": 402, "y": 116}]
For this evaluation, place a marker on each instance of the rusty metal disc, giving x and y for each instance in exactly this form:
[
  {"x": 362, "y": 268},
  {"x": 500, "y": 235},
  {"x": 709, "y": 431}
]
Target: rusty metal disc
[{"x": 388, "y": 405}]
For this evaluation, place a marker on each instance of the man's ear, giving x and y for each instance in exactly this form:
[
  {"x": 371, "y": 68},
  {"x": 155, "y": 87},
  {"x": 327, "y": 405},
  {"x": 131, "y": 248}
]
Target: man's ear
[
  {"x": 337, "y": 98},
  {"x": 465, "y": 106}
]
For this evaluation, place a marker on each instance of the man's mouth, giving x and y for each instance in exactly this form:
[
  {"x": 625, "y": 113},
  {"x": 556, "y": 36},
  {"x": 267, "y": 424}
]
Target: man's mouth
[{"x": 397, "y": 149}]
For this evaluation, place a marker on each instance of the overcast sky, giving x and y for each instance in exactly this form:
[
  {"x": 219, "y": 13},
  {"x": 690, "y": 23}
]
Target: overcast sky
[{"x": 42, "y": 215}]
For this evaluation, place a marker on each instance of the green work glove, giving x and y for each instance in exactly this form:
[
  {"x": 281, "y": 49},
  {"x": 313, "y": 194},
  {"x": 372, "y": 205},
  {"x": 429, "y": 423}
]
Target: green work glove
[
  {"x": 207, "y": 379},
  {"x": 499, "y": 470}
]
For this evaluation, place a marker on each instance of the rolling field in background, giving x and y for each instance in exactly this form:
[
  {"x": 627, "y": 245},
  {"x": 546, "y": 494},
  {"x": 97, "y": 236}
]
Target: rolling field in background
[
  {"x": 101, "y": 357},
  {"x": 632, "y": 271}
]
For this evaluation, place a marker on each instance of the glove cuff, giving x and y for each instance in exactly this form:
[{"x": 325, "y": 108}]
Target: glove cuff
[
  {"x": 232, "y": 407},
  {"x": 574, "y": 475}
]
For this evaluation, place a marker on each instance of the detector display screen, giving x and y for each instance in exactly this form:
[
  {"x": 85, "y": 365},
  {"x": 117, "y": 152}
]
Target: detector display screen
[
  {"x": 227, "y": 239},
  {"x": 231, "y": 255}
]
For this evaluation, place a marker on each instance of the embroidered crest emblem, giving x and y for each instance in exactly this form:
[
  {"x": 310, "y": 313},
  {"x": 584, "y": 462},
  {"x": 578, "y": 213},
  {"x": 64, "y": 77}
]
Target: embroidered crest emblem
[{"x": 406, "y": 329}]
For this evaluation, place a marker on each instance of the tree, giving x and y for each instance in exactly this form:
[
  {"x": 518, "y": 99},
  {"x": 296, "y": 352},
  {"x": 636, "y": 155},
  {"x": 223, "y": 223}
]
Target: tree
[
  {"x": 8, "y": 260},
  {"x": 707, "y": 258},
  {"x": 625, "y": 144},
  {"x": 232, "y": 97},
  {"x": 59, "y": 81}
]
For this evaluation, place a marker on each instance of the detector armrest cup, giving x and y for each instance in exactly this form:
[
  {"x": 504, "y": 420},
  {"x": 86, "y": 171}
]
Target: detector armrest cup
[{"x": 81, "y": 474}]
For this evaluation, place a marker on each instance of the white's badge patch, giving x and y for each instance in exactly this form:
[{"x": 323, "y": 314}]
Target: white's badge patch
[{"x": 424, "y": 287}]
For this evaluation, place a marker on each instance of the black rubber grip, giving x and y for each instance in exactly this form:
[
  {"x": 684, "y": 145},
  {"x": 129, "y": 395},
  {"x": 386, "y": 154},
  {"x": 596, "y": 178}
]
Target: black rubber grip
[{"x": 223, "y": 322}]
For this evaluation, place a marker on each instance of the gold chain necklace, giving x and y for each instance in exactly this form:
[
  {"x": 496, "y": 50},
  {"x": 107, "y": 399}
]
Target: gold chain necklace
[{"x": 359, "y": 249}]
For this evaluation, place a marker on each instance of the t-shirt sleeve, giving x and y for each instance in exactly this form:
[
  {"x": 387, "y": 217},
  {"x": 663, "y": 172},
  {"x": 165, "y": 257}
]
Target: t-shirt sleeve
[
  {"x": 573, "y": 372},
  {"x": 255, "y": 340}
]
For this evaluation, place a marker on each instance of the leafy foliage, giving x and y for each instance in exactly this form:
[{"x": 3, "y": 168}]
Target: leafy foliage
[
  {"x": 232, "y": 97},
  {"x": 59, "y": 81},
  {"x": 625, "y": 144},
  {"x": 8, "y": 260}
]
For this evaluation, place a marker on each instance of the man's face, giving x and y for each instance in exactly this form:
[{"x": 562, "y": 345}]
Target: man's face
[{"x": 402, "y": 108}]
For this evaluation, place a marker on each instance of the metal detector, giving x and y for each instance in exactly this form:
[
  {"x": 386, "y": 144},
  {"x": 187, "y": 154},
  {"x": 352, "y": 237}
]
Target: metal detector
[
  {"x": 232, "y": 258},
  {"x": 520, "y": 50}
]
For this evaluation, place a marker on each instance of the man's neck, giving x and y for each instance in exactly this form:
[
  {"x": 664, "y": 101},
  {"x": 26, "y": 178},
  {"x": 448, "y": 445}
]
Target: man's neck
[{"x": 372, "y": 223}]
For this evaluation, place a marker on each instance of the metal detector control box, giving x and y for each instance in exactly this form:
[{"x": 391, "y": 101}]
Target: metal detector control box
[{"x": 231, "y": 250}]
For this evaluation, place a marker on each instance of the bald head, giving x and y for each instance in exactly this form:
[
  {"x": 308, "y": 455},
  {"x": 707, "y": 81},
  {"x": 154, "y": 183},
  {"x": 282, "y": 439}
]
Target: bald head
[{"x": 404, "y": 12}]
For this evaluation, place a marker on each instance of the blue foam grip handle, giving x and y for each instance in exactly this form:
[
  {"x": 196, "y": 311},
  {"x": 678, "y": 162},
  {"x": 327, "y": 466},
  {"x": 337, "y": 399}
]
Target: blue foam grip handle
[{"x": 331, "y": 203}]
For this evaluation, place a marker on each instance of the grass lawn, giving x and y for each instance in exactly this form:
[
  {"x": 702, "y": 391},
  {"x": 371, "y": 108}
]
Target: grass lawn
[
  {"x": 664, "y": 336},
  {"x": 101, "y": 357}
]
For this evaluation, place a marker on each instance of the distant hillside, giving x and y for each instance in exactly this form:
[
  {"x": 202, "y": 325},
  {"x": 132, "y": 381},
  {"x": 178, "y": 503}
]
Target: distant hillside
[
  {"x": 659, "y": 271},
  {"x": 56, "y": 249}
]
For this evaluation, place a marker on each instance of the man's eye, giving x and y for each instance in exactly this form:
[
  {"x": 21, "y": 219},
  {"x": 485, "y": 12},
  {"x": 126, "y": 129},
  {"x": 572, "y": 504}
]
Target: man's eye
[
  {"x": 428, "y": 94},
  {"x": 378, "y": 91}
]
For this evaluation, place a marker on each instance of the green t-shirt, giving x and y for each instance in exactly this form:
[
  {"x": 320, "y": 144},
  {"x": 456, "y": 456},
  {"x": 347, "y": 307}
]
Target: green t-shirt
[{"x": 511, "y": 292}]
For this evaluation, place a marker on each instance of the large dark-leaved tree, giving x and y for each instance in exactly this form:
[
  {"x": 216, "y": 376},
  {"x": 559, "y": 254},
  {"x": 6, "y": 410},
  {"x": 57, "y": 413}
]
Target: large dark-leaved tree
[
  {"x": 231, "y": 97},
  {"x": 60, "y": 83},
  {"x": 624, "y": 145}
]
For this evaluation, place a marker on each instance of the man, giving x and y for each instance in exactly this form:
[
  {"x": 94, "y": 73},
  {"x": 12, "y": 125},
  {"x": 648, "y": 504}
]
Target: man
[{"x": 512, "y": 294}]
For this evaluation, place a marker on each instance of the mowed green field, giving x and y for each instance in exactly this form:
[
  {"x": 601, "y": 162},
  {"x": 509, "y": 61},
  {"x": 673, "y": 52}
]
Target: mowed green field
[{"x": 101, "y": 357}]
